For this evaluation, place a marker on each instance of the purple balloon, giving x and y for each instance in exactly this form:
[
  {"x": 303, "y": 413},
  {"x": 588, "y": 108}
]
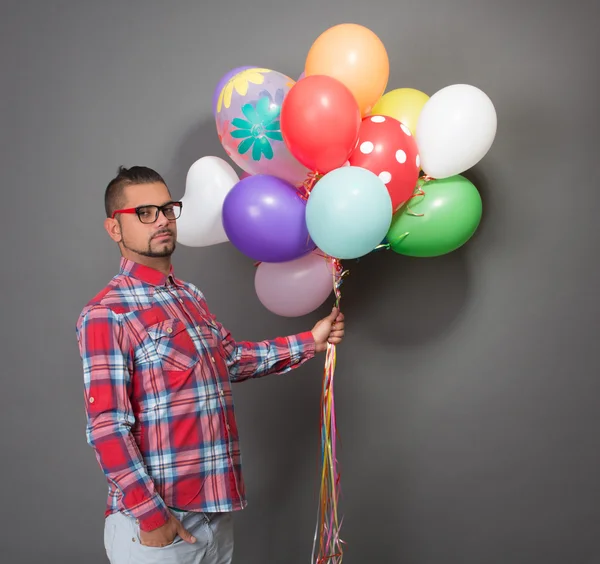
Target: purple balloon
[
  {"x": 264, "y": 217},
  {"x": 221, "y": 84}
]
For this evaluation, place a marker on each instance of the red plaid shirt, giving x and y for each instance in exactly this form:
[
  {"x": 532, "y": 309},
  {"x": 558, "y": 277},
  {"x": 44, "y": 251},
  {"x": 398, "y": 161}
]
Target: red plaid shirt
[{"x": 157, "y": 370}]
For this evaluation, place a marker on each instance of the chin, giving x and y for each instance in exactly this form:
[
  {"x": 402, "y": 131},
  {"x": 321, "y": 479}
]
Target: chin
[{"x": 164, "y": 250}]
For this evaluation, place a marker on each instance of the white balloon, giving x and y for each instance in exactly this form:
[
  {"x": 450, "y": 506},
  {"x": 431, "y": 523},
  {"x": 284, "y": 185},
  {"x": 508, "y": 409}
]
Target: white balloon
[
  {"x": 456, "y": 129},
  {"x": 208, "y": 181}
]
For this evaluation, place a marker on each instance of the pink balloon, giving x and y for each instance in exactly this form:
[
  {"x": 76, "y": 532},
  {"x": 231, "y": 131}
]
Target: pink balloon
[{"x": 296, "y": 287}]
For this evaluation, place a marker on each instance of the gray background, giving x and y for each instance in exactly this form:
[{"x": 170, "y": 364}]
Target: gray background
[{"x": 467, "y": 387}]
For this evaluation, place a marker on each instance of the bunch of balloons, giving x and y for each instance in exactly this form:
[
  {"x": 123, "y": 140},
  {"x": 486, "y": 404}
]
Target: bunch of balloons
[{"x": 335, "y": 167}]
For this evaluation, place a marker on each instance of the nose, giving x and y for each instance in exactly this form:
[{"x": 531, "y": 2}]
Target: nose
[{"x": 161, "y": 220}]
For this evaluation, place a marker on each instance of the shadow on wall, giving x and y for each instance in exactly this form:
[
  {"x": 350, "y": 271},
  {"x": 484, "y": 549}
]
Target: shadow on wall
[
  {"x": 407, "y": 301},
  {"x": 201, "y": 140},
  {"x": 478, "y": 176}
]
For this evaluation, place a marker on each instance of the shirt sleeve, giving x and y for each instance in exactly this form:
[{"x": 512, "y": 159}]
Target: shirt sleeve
[
  {"x": 246, "y": 359},
  {"x": 106, "y": 357}
]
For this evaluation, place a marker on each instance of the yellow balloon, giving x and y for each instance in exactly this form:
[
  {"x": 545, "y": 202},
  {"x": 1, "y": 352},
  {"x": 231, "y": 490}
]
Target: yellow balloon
[{"x": 403, "y": 104}]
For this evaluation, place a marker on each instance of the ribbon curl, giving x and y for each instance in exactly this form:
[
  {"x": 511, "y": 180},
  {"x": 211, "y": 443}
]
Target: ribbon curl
[
  {"x": 311, "y": 179},
  {"x": 418, "y": 192}
]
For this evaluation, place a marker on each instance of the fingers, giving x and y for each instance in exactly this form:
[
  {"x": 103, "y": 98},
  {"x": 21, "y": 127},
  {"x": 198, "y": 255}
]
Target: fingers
[
  {"x": 338, "y": 321},
  {"x": 335, "y": 312},
  {"x": 155, "y": 544},
  {"x": 184, "y": 534},
  {"x": 336, "y": 334}
]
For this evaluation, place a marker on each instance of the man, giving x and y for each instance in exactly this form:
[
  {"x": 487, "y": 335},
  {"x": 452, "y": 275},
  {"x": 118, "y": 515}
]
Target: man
[{"x": 158, "y": 369}]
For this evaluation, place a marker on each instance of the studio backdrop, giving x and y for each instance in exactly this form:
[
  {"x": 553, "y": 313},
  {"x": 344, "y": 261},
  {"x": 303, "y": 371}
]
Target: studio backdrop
[{"x": 467, "y": 386}]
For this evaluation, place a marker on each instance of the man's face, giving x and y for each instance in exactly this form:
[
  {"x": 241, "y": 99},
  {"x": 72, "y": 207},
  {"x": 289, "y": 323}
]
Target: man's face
[{"x": 153, "y": 240}]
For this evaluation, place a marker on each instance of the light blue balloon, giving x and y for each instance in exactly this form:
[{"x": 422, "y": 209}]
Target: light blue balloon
[{"x": 349, "y": 212}]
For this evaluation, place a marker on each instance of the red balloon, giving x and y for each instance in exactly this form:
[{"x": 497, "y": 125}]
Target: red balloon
[
  {"x": 387, "y": 148},
  {"x": 320, "y": 120}
]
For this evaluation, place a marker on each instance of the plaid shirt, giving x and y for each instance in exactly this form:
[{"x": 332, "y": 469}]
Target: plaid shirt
[{"x": 157, "y": 370}]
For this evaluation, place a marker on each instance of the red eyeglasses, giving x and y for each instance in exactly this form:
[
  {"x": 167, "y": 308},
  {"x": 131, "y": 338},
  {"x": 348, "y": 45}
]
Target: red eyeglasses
[{"x": 149, "y": 214}]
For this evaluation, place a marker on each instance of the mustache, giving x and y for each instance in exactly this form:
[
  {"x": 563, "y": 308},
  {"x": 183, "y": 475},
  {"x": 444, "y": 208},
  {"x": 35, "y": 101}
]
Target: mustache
[{"x": 163, "y": 232}]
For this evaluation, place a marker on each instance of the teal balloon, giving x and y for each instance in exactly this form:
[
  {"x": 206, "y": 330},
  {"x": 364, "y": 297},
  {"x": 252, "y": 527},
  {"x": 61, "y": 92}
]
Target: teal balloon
[{"x": 349, "y": 212}]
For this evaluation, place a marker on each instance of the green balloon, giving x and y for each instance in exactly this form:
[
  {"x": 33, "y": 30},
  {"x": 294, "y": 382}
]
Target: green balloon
[{"x": 441, "y": 217}]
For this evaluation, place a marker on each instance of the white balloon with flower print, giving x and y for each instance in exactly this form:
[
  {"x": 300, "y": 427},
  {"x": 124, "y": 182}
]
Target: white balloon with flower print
[{"x": 248, "y": 125}]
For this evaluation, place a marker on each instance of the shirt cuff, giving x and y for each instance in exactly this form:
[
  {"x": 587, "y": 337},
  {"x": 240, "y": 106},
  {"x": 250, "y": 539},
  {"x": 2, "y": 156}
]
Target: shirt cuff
[
  {"x": 154, "y": 519},
  {"x": 303, "y": 346}
]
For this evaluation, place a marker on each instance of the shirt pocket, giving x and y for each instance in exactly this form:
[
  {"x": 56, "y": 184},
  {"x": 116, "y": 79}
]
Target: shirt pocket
[{"x": 174, "y": 345}]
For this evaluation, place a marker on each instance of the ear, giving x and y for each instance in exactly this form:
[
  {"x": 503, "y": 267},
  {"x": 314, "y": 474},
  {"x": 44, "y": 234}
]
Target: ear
[{"x": 113, "y": 229}]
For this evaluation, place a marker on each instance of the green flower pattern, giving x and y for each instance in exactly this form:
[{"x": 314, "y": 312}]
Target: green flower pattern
[{"x": 261, "y": 124}]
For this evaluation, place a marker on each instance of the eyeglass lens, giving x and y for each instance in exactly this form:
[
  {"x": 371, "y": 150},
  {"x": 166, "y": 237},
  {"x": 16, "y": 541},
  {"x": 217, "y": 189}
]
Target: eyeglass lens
[{"x": 149, "y": 214}]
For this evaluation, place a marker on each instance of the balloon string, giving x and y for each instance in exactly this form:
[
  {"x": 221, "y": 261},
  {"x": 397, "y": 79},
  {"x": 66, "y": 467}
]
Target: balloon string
[
  {"x": 312, "y": 178},
  {"x": 401, "y": 237},
  {"x": 409, "y": 211},
  {"x": 339, "y": 274},
  {"x": 385, "y": 246},
  {"x": 327, "y": 545},
  {"x": 418, "y": 192}
]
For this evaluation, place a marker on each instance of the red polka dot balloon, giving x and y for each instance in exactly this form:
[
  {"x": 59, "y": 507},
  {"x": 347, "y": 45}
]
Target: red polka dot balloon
[{"x": 387, "y": 148}]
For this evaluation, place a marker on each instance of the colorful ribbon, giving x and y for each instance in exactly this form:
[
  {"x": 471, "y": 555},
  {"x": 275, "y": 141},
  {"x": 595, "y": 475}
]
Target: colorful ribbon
[{"x": 327, "y": 544}]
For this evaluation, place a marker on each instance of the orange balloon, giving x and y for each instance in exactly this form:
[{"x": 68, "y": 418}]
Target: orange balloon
[{"x": 355, "y": 56}]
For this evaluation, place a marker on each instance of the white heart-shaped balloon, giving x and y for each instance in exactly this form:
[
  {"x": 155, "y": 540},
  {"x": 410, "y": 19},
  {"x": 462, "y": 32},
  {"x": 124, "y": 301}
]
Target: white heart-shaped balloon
[{"x": 208, "y": 181}]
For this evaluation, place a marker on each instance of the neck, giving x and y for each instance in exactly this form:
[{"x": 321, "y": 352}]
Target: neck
[{"x": 162, "y": 264}]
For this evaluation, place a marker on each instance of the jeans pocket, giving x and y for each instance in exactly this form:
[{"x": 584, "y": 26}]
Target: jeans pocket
[
  {"x": 138, "y": 536},
  {"x": 110, "y": 530}
]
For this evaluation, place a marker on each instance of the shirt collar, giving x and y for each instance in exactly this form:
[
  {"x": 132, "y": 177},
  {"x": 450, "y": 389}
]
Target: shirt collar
[{"x": 146, "y": 273}]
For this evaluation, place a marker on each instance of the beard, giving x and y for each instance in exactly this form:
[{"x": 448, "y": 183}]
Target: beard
[{"x": 155, "y": 249}]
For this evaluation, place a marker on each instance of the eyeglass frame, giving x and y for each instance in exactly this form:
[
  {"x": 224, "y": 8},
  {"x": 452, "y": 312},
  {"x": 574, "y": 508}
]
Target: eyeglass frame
[{"x": 158, "y": 210}]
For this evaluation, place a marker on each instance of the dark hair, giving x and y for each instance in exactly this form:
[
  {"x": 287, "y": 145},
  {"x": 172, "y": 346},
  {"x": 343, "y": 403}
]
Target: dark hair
[{"x": 113, "y": 197}]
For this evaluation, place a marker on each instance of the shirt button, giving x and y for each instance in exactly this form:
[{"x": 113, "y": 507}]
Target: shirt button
[
  {"x": 228, "y": 427},
  {"x": 221, "y": 392},
  {"x": 133, "y": 539},
  {"x": 212, "y": 358},
  {"x": 180, "y": 301},
  {"x": 169, "y": 329},
  {"x": 91, "y": 400}
]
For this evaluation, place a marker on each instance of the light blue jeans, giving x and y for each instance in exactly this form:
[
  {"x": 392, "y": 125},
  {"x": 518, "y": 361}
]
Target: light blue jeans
[{"x": 213, "y": 532}]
